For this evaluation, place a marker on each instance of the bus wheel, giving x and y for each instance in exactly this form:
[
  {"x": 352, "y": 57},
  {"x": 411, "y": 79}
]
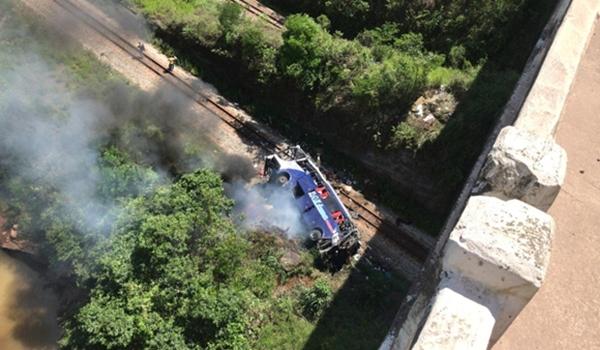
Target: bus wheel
[
  {"x": 282, "y": 179},
  {"x": 315, "y": 235}
]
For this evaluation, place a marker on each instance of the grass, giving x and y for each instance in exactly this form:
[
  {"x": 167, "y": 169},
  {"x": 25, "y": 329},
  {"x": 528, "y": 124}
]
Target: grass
[{"x": 455, "y": 79}]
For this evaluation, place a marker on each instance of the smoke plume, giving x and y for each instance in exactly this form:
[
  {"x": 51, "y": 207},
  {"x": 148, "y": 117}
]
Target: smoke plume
[
  {"x": 266, "y": 207},
  {"x": 47, "y": 135},
  {"x": 258, "y": 205},
  {"x": 50, "y": 134}
]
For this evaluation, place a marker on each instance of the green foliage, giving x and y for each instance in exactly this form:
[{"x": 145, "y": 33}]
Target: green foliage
[
  {"x": 482, "y": 27},
  {"x": 358, "y": 66},
  {"x": 456, "y": 80},
  {"x": 300, "y": 57},
  {"x": 345, "y": 75},
  {"x": 230, "y": 16},
  {"x": 159, "y": 265},
  {"x": 407, "y": 136},
  {"x": 257, "y": 54},
  {"x": 121, "y": 177},
  {"x": 164, "y": 275},
  {"x": 314, "y": 300},
  {"x": 456, "y": 56},
  {"x": 222, "y": 28},
  {"x": 412, "y": 134},
  {"x": 355, "y": 9},
  {"x": 396, "y": 80},
  {"x": 287, "y": 330}
]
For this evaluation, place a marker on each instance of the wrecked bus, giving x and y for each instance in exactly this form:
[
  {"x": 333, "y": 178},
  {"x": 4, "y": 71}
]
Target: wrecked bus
[{"x": 328, "y": 221}]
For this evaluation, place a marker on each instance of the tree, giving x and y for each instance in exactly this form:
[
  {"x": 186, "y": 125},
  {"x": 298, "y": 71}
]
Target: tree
[
  {"x": 165, "y": 279},
  {"x": 301, "y": 56}
]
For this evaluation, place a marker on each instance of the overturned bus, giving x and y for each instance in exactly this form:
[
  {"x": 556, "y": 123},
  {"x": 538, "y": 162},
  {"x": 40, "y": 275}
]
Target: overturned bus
[{"x": 328, "y": 222}]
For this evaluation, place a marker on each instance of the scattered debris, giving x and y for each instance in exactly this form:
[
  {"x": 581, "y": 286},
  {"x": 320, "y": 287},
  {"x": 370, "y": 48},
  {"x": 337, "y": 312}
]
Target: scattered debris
[{"x": 434, "y": 106}]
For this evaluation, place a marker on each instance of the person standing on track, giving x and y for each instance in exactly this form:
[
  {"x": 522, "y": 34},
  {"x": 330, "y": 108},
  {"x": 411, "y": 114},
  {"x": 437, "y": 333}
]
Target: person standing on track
[
  {"x": 172, "y": 61},
  {"x": 141, "y": 48}
]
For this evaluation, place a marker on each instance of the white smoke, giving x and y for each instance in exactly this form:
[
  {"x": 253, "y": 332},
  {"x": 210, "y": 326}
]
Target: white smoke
[
  {"x": 267, "y": 207},
  {"x": 130, "y": 23},
  {"x": 50, "y": 134}
]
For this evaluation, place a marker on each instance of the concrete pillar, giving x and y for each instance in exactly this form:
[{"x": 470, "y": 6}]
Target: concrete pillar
[
  {"x": 493, "y": 264},
  {"x": 524, "y": 166},
  {"x": 458, "y": 318}
]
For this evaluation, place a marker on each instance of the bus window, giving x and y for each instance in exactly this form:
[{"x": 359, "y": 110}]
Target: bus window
[{"x": 298, "y": 191}]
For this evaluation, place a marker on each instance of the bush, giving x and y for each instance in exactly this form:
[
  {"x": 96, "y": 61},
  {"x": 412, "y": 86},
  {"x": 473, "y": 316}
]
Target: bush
[
  {"x": 410, "y": 135},
  {"x": 457, "y": 57},
  {"x": 405, "y": 135},
  {"x": 313, "y": 301},
  {"x": 370, "y": 83},
  {"x": 257, "y": 55},
  {"x": 230, "y": 16},
  {"x": 457, "y": 80}
]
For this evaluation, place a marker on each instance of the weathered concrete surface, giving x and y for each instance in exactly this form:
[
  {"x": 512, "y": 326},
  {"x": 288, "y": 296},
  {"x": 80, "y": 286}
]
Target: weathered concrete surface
[
  {"x": 505, "y": 247},
  {"x": 542, "y": 110},
  {"x": 525, "y": 167},
  {"x": 458, "y": 320},
  {"x": 565, "y": 313},
  {"x": 492, "y": 265}
]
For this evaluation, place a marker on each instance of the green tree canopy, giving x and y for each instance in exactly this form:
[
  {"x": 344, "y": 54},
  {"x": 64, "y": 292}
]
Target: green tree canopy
[{"x": 167, "y": 277}]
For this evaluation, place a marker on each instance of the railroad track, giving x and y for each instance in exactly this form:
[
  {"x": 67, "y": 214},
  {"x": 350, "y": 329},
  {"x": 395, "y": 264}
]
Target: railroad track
[
  {"x": 275, "y": 21},
  {"x": 409, "y": 245}
]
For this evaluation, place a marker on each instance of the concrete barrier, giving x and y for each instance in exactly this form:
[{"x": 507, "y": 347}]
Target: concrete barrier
[
  {"x": 495, "y": 246},
  {"x": 526, "y": 167}
]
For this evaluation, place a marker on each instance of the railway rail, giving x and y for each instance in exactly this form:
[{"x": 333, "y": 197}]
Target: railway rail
[
  {"x": 409, "y": 245},
  {"x": 257, "y": 10}
]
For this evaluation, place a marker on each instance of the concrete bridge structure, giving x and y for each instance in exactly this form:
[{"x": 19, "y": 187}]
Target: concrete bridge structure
[{"x": 521, "y": 201}]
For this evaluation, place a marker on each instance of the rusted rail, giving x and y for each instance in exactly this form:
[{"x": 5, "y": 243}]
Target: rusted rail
[{"x": 275, "y": 21}]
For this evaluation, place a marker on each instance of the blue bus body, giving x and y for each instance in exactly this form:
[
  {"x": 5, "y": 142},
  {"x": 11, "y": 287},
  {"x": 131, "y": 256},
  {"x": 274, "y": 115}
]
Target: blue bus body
[{"x": 328, "y": 221}]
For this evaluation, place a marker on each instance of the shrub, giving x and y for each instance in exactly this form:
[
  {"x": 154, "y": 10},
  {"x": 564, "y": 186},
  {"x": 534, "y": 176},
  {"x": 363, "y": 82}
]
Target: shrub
[
  {"x": 457, "y": 57},
  {"x": 456, "y": 79},
  {"x": 257, "y": 54},
  {"x": 313, "y": 301},
  {"x": 230, "y": 16},
  {"x": 409, "y": 134}
]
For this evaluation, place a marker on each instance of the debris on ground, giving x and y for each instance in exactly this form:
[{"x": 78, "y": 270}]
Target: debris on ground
[{"x": 433, "y": 107}]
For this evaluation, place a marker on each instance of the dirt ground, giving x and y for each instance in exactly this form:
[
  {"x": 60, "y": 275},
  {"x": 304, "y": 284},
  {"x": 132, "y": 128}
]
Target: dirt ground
[
  {"x": 9, "y": 238},
  {"x": 565, "y": 313}
]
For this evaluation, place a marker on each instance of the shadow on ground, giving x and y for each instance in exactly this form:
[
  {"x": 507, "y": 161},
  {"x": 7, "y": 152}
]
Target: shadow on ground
[{"x": 362, "y": 309}]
